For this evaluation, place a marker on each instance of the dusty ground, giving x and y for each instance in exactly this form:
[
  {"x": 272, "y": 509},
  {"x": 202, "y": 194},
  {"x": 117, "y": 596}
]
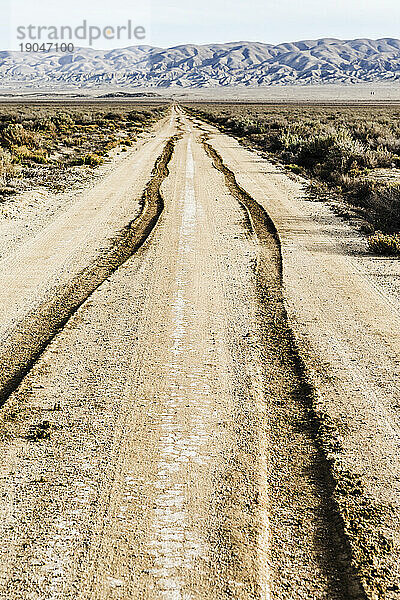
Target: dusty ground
[{"x": 165, "y": 445}]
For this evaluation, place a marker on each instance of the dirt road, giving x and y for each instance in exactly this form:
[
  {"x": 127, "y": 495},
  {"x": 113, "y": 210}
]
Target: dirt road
[{"x": 164, "y": 446}]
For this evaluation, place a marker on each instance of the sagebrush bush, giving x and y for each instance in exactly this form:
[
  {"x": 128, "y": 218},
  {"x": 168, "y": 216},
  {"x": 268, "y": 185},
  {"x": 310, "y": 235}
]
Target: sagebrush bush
[
  {"x": 22, "y": 154},
  {"x": 92, "y": 160},
  {"x": 385, "y": 244},
  {"x": 8, "y": 170},
  {"x": 46, "y": 124},
  {"x": 15, "y": 134},
  {"x": 384, "y": 204}
]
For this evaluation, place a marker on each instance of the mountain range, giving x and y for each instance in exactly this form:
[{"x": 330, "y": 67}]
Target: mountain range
[{"x": 212, "y": 65}]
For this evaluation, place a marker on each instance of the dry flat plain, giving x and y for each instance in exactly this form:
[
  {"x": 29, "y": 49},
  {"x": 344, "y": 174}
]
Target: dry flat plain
[{"x": 199, "y": 386}]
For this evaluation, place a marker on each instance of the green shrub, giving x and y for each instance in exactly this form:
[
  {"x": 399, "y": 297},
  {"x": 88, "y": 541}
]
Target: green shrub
[
  {"x": 22, "y": 154},
  {"x": 63, "y": 121},
  {"x": 113, "y": 116},
  {"x": 383, "y": 202},
  {"x": 47, "y": 125},
  {"x": 294, "y": 169},
  {"x": 38, "y": 432},
  {"x": 139, "y": 116}
]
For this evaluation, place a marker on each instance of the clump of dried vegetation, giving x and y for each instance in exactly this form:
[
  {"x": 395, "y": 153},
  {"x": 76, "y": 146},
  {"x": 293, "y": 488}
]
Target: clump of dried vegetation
[
  {"x": 350, "y": 154},
  {"x": 385, "y": 244},
  {"x": 52, "y": 146}
]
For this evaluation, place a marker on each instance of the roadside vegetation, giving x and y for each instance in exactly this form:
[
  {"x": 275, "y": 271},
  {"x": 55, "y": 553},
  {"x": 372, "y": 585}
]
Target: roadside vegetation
[
  {"x": 55, "y": 146},
  {"x": 351, "y": 155}
]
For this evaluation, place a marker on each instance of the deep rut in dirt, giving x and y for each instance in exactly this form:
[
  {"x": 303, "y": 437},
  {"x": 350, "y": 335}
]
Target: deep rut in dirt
[
  {"x": 33, "y": 334},
  {"x": 292, "y": 423}
]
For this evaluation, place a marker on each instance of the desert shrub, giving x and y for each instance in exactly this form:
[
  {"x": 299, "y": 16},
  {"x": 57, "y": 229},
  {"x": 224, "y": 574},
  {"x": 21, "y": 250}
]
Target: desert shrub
[
  {"x": 23, "y": 154},
  {"x": 242, "y": 126},
  {"x": 380, "y": 158},
  {"x": 138, "y": 116},
  {"x": 92, "y": 160},
  {"x": 63, "y": 121},
  {"x": 334, "y": 151},
  {"x": 384, "y": 204},
  {"x": 38, "y": 432},
  {"x": 16, "y": 135},
  {"x": 38, "y": 157},
  {"x": 291, "y": 141},
  {"x": 380, "y": 243},
  {"x": 389, "y": 142},
  {"x": 70, "y": 141},
  {"x": 46, "y": 125},
  {"x": 113, "y": 116},
  {"x": 84, "y": 118},
  {"x": 294, "y": 169},
  {"x": 111, "y": 144},
  {"x": 8, "y": 170}
]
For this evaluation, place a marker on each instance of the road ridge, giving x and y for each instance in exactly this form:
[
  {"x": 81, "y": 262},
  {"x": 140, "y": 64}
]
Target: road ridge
[
  {"x": 271, "y": 295},
  {"x": 348, "y": 336},
  {"x": 36, "y": 330}
]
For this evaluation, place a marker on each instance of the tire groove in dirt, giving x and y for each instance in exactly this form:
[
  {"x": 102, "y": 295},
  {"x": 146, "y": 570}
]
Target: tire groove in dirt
[
  {"x": 281, "y": 350},
  {"x": 34, "y": 333}
]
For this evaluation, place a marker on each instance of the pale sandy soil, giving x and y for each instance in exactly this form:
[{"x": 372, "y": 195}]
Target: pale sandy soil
[{"x": 163, "y": 447}]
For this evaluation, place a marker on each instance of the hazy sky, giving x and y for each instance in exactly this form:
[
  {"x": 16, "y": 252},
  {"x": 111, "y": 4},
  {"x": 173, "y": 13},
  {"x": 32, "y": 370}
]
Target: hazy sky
[{"x": 181, "y": 21}]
